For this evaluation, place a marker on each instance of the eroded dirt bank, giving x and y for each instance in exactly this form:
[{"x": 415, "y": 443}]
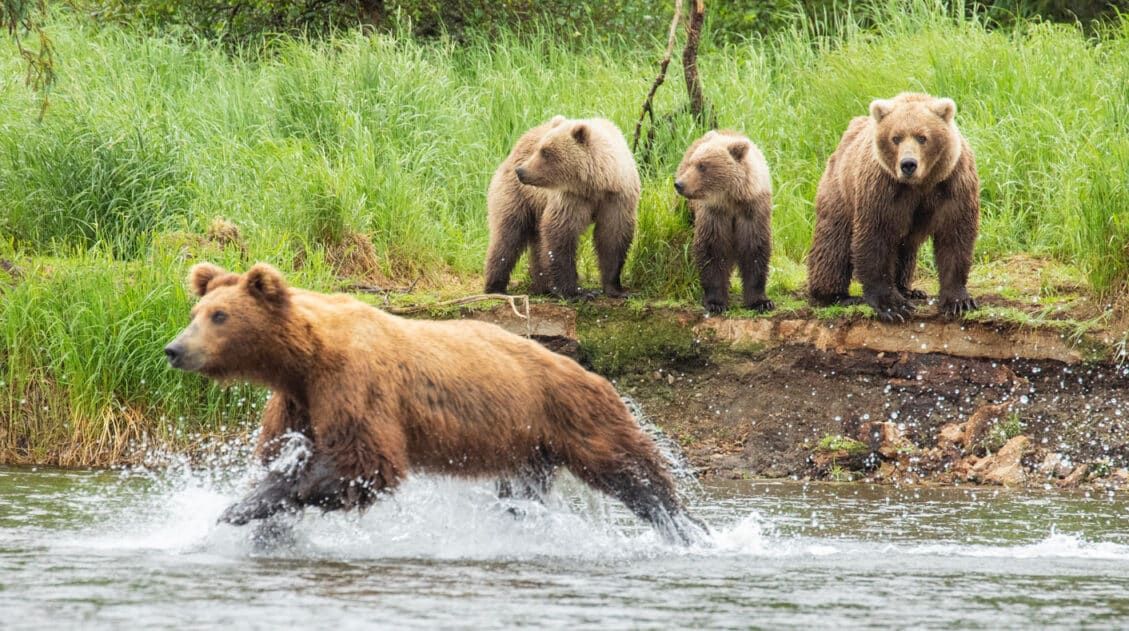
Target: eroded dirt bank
[{"x": 856, "y": 400}]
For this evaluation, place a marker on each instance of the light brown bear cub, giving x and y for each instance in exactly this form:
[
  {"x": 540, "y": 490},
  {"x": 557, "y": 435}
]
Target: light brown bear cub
[
  {"x": 901, "y": 175},
  {"x": 560, "y": 178},
  {"x": 378, "y": 396},
  {"x": 725, "y": 177}
]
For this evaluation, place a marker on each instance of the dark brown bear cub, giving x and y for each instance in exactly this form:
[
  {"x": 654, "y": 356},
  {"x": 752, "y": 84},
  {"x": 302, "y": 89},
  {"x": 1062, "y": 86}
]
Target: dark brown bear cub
[
  {"x": 560, "y": 178},
  {"x": 901, "y": 175},
  {"x": 378, "y": 396},
  {"x": 725, "y": 177}
]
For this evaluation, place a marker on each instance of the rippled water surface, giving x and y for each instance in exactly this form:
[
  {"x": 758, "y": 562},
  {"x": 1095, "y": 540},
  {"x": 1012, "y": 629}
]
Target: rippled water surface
[{"x": 114, "y": 549}]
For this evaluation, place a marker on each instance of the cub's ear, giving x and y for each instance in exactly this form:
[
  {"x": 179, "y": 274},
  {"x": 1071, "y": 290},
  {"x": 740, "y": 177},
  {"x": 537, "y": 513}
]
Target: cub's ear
[
  {"x": 580, "y": 133},
  {"x": 739, "y": 150},
  {"x": 880, "y": 108},
  {"x": 200, "y": 275},
  {"x": 556, "y": 120},
  {"x": 265, "y": 283},
  {"x": 945, "y": 108},
  {"x": 710, "y": 134}
]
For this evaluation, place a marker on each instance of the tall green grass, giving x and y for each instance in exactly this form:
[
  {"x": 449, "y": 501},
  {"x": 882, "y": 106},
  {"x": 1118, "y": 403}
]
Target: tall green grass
[{"x": 301, "y": 143}]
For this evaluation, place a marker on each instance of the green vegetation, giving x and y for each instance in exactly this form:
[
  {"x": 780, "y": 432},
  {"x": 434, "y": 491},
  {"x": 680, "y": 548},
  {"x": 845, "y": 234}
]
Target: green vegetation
[
  {"x": 999, "y": 433},
  {"x": 613, "y": 344},
  {"x": 366, "y": 158},
  {"x": 841, "y": 443}
]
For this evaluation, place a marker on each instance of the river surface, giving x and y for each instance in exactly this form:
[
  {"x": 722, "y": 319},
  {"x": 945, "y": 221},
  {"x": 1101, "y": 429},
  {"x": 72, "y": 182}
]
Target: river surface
[{"x": 129, "y": 549}]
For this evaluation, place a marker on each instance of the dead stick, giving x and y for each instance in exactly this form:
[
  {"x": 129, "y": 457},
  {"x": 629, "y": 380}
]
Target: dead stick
[
  {"x": 648, "y": 103},
  {"x": 690, "y": 61}
]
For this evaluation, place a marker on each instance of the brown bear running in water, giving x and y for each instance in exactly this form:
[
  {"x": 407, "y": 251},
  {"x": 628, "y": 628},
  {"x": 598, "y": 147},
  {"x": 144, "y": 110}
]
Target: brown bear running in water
[
  {"x": 901, "y": 175},
  {"x": 378, "y": 396},
  {"x": 560, "y": 178},
  {"x": 725, "y": 177}
]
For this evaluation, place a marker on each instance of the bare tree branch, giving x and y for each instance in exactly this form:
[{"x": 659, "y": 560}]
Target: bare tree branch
[{"x": 648, "y": 103}]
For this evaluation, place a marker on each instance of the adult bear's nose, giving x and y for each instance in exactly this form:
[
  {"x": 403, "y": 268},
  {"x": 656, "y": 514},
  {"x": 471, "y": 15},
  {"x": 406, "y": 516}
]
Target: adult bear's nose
[
  {"x": 908, "y": 165},
  {"x": 173, "y": 353},
  {"x": 679, "y": 186}
]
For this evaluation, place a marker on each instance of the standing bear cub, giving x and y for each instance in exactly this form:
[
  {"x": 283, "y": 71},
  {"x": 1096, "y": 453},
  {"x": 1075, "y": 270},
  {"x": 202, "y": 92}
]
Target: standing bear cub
[
  {"x": 377, "y": 396},
  {"x": 899, "y": 176},
  {"x": 561, "y": 177},
  {"x": 725, "y": 177}
]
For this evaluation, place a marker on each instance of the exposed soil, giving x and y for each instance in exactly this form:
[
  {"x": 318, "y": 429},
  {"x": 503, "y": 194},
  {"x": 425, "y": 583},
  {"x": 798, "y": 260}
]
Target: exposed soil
[
  {"x": 850, "y": 399},
  {"x": 766, "y": 414}
]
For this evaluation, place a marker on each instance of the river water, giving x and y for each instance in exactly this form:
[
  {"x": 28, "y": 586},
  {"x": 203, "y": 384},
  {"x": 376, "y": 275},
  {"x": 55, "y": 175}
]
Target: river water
[{"x": 136, "y": 549}]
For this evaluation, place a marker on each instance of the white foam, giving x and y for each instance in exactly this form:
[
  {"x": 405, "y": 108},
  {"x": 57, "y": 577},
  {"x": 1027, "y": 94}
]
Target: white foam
[
  {"x": 1054, "y": 546},
  {"x": 427, "y": 517}
]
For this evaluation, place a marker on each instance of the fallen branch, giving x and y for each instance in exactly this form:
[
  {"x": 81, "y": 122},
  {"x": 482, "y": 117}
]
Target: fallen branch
[
  {"x": 648, "y": 103},
  {"x": 366, "y": 288}
]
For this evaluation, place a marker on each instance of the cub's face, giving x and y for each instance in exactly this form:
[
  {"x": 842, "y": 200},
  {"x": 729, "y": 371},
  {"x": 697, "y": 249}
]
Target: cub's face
[
  {"x": 560, "y": 160},
  {"x": 231, "y": 324},
  {"x": 716, "y": 169},
  {"x": 915, "y": 137}
]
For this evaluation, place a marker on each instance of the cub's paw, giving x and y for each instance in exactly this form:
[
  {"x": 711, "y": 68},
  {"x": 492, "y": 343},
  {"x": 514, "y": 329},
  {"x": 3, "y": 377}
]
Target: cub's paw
[
  {"x": 760, "y": 304},
  {"x": 891, "y": 308},
  {"x": 714, "y": 306},
  {"x": 616, "y": 292},
  {"x": 577, "y": 295},
  {"x": 957, "y": 306}
]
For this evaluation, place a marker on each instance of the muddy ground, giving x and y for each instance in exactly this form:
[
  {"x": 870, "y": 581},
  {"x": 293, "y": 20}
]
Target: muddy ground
[
  {"x": 848, "y": 399},
  {"x": 766, "y": 414}
]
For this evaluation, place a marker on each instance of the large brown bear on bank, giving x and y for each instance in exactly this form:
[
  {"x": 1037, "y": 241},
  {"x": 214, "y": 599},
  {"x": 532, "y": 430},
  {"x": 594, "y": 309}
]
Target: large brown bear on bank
[
  {"x": 901, "y": 175},
  {"x": 560, "y": 178},
  {"x": 725, "y": 177},
  {"x": 379, "y": 396}
]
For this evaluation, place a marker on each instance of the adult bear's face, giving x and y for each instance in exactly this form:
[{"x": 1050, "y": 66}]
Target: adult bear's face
[
  {"x": 915, "y": 139},
  {"x": 229, "y": 328}
]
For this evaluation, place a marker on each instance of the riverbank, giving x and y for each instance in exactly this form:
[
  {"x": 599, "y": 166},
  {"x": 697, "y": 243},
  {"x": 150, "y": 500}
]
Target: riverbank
[
  {"x": 1030, "y": 390},
  {"x": 360, "y": 162}
]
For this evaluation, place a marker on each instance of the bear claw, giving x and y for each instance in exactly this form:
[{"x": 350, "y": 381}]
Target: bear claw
[
  {"x": 715, "y": 308},
  {"x": 762, "y": 305},
  {"x": 958, "y": 307}
]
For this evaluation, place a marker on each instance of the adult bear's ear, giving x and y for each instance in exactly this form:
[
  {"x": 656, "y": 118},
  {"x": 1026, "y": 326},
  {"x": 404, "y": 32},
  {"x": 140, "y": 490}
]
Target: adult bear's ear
[
  {"x": 580, "y": 133},
  {"x": 880, "y": 108},
  {"x": 265, "y": 283},
  {"x": 739, "y": 150},
  {"x": 945, "y": 108},
  {"x": 201, "y": 275}
]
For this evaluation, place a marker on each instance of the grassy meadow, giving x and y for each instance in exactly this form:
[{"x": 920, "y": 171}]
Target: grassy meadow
[{"x": 366, "y": 158}]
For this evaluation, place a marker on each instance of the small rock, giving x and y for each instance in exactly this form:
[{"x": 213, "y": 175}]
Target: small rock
[
  {"x": 657, "y": 376},
  {"x": 1076, "y": 477},
  {"x": 1118, "y": 478},
  {"x": 963, "y": 469},
  {"x": 1006, "y": 467},
  {"x": 1054, "y": 466},
  {"x": 670, "y": 380},
  {"x": 951, "y": 437},
  {"x": 885, "y": 439},
  {"x": 981, "y": 424}
]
